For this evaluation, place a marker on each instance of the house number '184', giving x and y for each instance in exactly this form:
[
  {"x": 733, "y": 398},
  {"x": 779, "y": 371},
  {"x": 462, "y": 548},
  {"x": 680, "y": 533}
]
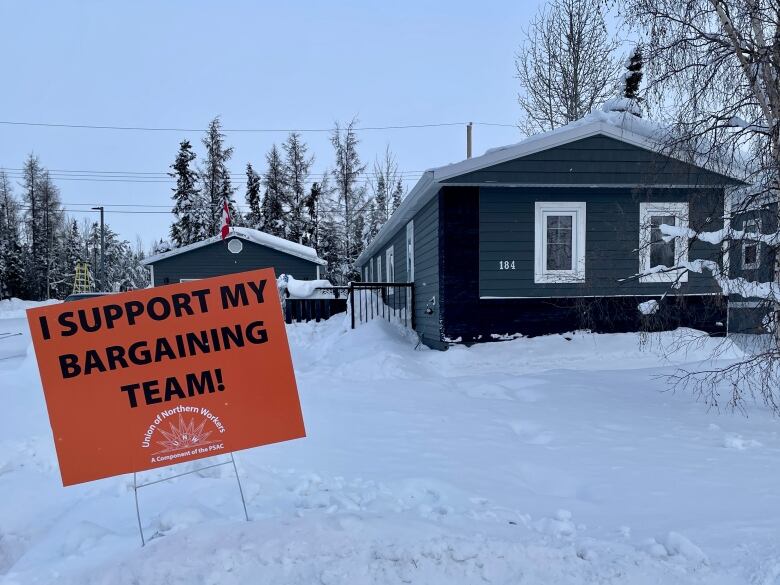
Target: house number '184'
[{"x": 506, "y": 264}]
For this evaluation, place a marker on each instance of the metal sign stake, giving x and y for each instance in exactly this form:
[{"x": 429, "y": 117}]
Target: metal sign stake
[{"x": 137, "y": 486}]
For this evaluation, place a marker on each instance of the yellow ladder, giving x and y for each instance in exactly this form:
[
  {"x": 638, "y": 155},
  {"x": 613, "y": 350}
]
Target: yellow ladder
[{"x": 82, "y": 282}]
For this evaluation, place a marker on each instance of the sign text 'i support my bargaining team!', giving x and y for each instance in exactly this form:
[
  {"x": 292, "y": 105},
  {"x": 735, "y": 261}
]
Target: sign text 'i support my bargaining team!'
[{"x": 148, "y": 378}]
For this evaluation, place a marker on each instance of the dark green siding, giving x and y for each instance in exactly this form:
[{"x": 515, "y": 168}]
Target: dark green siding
[
  {"x": 466, "y": 317},
  {"x": 506, "y": 232},
  {"x": 426, "y": 268},
  {"x": 597, "y": 160},
  {"x": 746, "y": 315},
  {"x": 215, "y": 259},
  {"x": 426, "y": 273}
]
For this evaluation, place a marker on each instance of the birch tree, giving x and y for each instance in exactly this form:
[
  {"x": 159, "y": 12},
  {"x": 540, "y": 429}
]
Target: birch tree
[{"x": 566, "y": 64}]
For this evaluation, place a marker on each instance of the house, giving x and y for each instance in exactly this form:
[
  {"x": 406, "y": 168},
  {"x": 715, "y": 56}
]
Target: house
[
  {"x": 244, "y": 249},
  {"x": 550, "y": 234},
  {"x": 754, "y": 261}
]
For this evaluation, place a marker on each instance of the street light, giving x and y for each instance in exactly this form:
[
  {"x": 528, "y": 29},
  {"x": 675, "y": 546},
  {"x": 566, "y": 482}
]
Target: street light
[{"x": 102, "y": 246}]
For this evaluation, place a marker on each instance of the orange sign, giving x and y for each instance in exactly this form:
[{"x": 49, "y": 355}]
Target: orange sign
[{"x": 165, "y": 375}]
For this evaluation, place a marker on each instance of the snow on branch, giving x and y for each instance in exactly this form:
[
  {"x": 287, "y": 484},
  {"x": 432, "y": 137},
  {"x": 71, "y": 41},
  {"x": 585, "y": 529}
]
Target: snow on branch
[{"x": 720, "y": 236}]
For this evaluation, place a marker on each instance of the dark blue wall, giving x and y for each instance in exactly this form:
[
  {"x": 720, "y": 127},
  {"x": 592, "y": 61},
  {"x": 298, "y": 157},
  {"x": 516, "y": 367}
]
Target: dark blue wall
[{"x": 467, "y": 317}]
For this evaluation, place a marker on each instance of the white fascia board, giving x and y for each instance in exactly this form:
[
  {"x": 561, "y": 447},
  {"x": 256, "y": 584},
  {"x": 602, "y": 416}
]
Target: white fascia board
[{"x": 552, "y": 139}]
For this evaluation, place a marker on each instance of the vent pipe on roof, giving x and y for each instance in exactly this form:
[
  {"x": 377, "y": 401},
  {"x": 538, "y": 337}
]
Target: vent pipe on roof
[{"x": 468, "y": 139}]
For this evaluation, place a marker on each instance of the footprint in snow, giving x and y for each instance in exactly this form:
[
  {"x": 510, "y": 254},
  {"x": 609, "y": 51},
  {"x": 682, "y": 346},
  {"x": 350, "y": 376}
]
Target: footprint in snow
[{"x": 531, "y": 433}]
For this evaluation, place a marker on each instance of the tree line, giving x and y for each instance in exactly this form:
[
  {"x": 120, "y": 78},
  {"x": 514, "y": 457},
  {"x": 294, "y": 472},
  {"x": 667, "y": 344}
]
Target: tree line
[
  {"x": 336, "y": 215},
  {"x": 40, "y": 244}
]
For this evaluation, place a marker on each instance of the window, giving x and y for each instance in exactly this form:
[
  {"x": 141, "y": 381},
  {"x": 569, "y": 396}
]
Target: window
[
  {"x": 751, "y": 257},
  {"x": 559, "y": 251},
  {"x": 235, "y": 246},
  {"x": 657, "y": 250},
  {"x": 410, "y": 252},
  {"x": 390, "y": 267}
]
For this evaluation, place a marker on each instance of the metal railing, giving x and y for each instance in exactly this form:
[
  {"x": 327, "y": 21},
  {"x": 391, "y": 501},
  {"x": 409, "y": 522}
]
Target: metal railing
[{"x": 381, "y": 300}]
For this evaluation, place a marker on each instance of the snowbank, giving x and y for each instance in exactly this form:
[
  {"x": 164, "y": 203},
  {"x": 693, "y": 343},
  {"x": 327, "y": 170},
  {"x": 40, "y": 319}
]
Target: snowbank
[
  {"x": 548, "y": 460},
  {"x": 15, "y": 308},
  {"x": 304, "y": 289}
]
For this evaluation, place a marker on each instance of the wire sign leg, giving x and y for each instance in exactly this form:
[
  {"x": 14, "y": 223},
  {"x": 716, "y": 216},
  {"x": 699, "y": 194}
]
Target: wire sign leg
[
  {"x": 137, "y": 510},
  {"x": 240, "y": 489}
]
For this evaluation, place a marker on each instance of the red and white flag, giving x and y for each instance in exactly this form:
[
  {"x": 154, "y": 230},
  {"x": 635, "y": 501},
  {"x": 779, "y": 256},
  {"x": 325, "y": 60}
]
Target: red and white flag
[{"x": 225, "y": 230}]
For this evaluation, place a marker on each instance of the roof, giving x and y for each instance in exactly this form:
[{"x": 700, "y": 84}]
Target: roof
[
  {"x": 618, "y": 125},
  {"x": 250, "y": 235}
]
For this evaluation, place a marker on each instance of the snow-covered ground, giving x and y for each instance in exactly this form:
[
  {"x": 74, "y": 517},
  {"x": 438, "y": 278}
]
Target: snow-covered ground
[{"x": 550, "y": 460}]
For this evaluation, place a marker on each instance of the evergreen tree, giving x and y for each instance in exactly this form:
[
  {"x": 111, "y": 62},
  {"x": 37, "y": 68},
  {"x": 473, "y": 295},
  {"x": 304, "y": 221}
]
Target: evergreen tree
[
  {"x": 11, "y": 267},
  {"x": 42, "y": 219},
  {"x": 633, "y": 76},
  {"x": 327, "y": 238},
  {"x": 296, "y": 172},
  {"x": 53, "y": 222},
  {"x": 351, "y": 196},
  {"x": 191, "y": 216},
  {"x": 215, "y": 177},
  {"x": 34, "y": 266},
  {"x": 70, "y": 253},
  {"x": 275, "y": 194},
  {"x": 398, "y": 195},
  {"x": 312, "y": 207},
  {"x": 387, "y": 187},
  {"x": 254, "y": 218}
]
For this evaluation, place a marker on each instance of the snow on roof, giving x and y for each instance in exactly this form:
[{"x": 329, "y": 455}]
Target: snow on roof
[
  {"x": 250, "y": 235},
  {"x": 620, "y": 125}
]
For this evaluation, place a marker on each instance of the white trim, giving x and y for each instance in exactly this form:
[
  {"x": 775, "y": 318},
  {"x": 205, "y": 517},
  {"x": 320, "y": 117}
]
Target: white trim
[
  {"x": 577, "y": 211},
  {"x": 577, "y": 130},
  {"x": 646, "y": 212},
  {"x": 378, "y": 269},
  {"x": 502, "y": 185},
  {"x": 151, "y": 268},
  {"x": 617, "y": 126},
  {"x": 639, "y": 296},
  {"x": 370, "y": 270},
  {"x": 410, "y": 251},
  {"x": 756, "y": 222},
  {"x": 318, "y": 271},
  {"x": 188, "y": 279},
  {"x": 390, "y": 267}
]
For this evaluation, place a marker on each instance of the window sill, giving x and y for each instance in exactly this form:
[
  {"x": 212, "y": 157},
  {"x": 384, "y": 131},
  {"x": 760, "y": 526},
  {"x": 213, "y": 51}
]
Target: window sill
[{"x": 570, "y": 278}]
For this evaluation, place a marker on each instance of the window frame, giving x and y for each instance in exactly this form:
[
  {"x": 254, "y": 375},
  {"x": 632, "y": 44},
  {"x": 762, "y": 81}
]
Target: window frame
[
  {"x": 756, "y": 221},
  {"x": 680, "y": 210},
  {"x": 410, "y": 251},
  {"x": 390, "y": 267},
  {"x": 577, "y": 210}
]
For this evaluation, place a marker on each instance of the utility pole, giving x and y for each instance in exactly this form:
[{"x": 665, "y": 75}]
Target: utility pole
[
  {"x": 102, "y": 246},
  {"x": 468, "y": 139}
]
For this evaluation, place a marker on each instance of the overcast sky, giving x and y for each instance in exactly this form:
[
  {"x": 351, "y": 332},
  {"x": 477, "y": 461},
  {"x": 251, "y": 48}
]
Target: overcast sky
[{"x": 256, "y": 64}]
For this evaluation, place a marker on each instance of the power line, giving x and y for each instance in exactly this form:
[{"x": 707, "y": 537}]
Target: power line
[{"x": 249, "y": 130}]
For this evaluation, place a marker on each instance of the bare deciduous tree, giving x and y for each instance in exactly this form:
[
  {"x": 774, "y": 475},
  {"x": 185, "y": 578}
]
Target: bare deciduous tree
[
  {"x": 714, "y": 67},
  {"x": 566, "y": 64}
]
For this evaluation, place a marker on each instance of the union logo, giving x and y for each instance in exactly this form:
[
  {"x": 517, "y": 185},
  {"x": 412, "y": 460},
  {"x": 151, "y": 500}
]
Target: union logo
[{"x": 184, "y": 435}]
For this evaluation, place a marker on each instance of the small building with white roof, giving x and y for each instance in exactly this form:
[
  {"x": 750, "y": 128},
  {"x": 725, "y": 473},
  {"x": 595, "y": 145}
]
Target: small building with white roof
[{"x": 244, "y": 249}]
